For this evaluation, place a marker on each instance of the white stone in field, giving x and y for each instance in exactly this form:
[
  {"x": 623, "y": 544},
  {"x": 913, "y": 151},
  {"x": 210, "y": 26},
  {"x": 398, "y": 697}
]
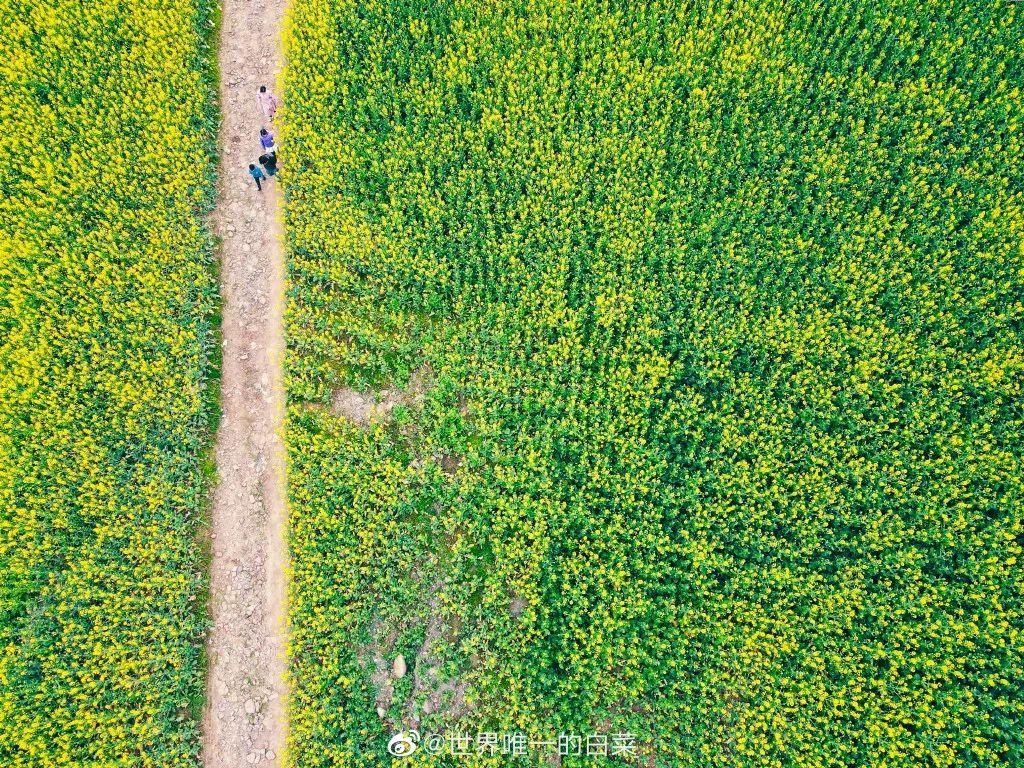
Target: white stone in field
[{"x": 398, "y": 669}]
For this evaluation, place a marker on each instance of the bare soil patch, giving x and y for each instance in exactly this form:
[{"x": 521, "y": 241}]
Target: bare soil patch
[{"x": 366, "y": 408}]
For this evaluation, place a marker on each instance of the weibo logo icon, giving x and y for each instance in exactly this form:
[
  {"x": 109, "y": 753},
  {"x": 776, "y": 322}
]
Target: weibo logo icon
[{"x": 404, "y": 743}]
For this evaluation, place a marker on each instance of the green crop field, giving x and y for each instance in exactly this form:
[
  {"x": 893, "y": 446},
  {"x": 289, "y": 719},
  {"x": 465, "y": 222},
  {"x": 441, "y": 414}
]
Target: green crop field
[
  {"x": 654, "y": 375},
  {"x": 107, "y": 346},
  {"x": 655, "y": 369}
]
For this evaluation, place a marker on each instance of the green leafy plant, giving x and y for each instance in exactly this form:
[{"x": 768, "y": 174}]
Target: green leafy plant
[
  {"x": 107, "y": 300},
  {"x": 719, "y": 446}
]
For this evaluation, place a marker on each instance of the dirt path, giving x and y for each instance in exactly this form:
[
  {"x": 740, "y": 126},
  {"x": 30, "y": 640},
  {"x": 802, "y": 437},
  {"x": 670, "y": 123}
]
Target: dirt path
[{"x": 244, "y": 722}]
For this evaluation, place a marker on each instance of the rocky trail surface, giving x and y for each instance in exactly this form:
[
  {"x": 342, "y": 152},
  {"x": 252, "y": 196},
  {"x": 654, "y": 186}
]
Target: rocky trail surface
[{"x": 244, "y": 722}]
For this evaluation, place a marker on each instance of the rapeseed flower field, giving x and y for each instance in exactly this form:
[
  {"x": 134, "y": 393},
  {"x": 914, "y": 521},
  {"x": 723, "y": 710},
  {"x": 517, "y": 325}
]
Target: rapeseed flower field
[
  {"x": 654, "y": 378},
  {"x": 108, "y": 307},
  {"x": 655, "y": 370}
]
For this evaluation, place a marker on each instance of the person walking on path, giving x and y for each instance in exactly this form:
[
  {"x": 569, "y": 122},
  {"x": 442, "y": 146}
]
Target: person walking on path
[
  {"x": 267, "y": 141},
  {"x": 267, "y": 103},
  {"x": 269, "y": 163},
  {"x": 257, "y": 174}
]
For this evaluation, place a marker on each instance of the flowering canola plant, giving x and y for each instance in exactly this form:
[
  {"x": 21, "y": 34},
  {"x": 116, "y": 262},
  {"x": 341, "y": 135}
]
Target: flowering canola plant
[
  {"x": 690, "y": 337},
  {"x": 107, "y": 344}
]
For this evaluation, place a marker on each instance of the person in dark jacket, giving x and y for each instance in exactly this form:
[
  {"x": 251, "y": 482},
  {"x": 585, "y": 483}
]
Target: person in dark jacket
[{"x": 269, "y": 163}]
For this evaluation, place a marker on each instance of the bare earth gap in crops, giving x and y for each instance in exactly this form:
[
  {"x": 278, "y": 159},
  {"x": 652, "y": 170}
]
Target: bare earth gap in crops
[{"x": 245, "y": 718}]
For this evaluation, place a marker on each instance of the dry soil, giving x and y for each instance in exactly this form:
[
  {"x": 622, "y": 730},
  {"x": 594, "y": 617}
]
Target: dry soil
[{"x": 244, "y": 722}]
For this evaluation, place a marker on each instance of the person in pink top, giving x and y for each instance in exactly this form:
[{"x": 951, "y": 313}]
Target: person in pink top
[{"x": 267, "y": 103}]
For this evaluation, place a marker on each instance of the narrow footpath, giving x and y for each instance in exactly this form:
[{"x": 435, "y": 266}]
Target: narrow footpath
[{"x": 244, "y": 722}]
